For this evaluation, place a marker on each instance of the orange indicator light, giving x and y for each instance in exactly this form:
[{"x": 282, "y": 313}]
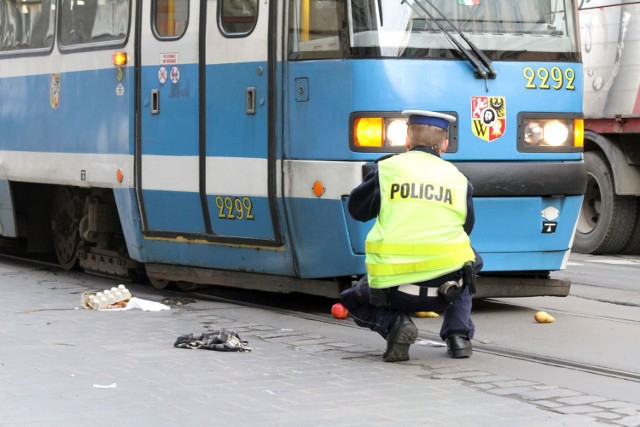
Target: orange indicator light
[
  {"x": 369, "y": 132},
  {"x": 119, "y": 59},
  {"x": 578, "y": 133},
  {"x": 318, "y": 188},
  {"x": 120, "y": 175}
]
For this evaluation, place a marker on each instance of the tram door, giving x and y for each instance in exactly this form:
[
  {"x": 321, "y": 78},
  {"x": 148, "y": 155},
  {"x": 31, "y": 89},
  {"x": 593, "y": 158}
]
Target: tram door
[
  {"x": 240, "y": 167},
  {"x": 169, "y": 164},
  {"x": 206, "y": 163}
]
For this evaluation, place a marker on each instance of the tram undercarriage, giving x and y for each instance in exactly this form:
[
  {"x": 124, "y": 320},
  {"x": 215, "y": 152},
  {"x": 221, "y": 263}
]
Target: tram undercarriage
[{"x": 79, "y": 226}]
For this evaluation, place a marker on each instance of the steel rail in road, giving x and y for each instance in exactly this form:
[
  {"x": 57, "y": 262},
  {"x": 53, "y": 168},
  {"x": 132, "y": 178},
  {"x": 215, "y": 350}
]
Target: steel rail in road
[
  {"x": 326, "y": 318},
  {"x": 477, "y": 346}
]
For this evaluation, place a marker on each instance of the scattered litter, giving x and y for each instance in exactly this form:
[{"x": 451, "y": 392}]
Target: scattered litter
[
  {"x": 339, "y": 311},
  {"x": 271, "y": 392},
  {"x": 142, "y": 304},
  {"x": 35, "y": 310},
  {"x": 219, "y": 340},
  {"x": 429, "y": 343},
  {"x": 112, "y": 385},
  {"x": 427, "y": 314},
  {"x": 543, "y": 317},
  {"x": 176, "y": 301},
  {"x": 107, "y": 299},
  {"x": 118, "y": 299}
]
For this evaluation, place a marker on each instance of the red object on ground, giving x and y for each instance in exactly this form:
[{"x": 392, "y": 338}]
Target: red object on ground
[{"x": 339, "y": 311}]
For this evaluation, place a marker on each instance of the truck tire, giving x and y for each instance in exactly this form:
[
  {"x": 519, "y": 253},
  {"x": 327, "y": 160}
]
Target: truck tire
[
  {"x": 606, "y": 219},
  {"x": 633, "y": 244}
]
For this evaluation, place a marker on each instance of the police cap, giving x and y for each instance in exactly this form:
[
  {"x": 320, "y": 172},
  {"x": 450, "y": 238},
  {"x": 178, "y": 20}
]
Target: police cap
[{"x": 422, "y": 117}]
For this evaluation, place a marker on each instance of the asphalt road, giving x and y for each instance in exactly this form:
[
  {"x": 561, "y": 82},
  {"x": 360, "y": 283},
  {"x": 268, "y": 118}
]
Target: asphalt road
[
  {"x": 596, "y": 326},
  {"x": 79, "y": 366},
  {"x": 614, "y": 279}
]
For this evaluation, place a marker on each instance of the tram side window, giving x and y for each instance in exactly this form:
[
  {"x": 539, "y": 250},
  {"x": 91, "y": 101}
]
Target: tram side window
[
  {"x": 314, "y": 29},
  {"x": 238, "y": 17},
  {"x": 26, "y": 24},
  {"x": 171, "y": 18},
  {"x": 93, "y": 21}
]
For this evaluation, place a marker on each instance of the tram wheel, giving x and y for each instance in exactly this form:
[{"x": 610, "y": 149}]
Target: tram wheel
[
  {"x": 67, "y": 213},
  {"x": 606, "y": 219},
  {"x": 188, "y": 286},
  {"x": 158, "y": 283}
]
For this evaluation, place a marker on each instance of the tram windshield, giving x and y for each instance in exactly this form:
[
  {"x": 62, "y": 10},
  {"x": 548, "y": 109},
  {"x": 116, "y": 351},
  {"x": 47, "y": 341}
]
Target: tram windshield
[{"x": 543, "y": 30}]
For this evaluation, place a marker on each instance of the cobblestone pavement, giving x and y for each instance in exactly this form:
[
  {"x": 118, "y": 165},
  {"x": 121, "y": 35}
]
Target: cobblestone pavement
[{"x": 61, "y": 365}]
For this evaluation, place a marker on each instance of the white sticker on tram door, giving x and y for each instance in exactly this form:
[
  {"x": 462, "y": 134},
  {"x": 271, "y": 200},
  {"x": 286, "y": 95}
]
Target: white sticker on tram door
[
  {"x": 175, "y": 75},
  {"x": 162, "y": 75},
  {"x": 170, "y": 58}
]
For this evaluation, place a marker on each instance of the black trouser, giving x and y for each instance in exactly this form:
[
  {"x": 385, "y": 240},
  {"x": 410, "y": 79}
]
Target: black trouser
[{"x": 457, "y": 315}]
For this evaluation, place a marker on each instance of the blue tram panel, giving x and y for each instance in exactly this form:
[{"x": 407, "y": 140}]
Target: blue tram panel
[
  {"x": 219, "y": 146},
  {"x": 515, "y": 125}
]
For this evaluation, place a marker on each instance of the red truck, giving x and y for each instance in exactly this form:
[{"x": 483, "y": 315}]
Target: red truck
[{"x": 609, "y": 221}]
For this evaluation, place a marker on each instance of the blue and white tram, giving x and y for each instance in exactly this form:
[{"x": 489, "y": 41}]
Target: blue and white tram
[{"x": 217, "y": 141}]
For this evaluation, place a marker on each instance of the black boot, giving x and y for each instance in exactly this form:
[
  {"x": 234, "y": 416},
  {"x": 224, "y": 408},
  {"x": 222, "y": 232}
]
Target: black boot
[
  {"x": 459, "y": 347},
  {"x": 402, "y": 334}
]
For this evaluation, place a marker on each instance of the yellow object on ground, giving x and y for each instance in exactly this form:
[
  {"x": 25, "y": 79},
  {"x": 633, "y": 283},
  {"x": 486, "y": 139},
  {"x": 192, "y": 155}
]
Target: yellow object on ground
[
  {"x": 430, "y": 314},
  {"x": 543, "y": 317}
]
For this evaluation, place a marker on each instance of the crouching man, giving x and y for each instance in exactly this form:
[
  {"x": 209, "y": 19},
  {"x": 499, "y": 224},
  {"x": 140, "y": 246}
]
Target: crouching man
[{"x": 418, "y": 253}]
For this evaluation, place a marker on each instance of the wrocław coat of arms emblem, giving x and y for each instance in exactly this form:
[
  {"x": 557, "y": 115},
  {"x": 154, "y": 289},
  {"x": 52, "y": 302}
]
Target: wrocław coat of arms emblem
[{"x": 488, "y": 117}]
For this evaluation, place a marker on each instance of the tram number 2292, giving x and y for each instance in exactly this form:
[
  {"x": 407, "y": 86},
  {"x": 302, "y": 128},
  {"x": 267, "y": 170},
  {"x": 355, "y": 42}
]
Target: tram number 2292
[
  {"x": 234, "y": 207},
  {"x": 555, "y": 78}
]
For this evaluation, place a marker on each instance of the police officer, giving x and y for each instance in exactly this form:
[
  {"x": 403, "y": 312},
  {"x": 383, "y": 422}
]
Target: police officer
[{"x": 418, "y": 253}]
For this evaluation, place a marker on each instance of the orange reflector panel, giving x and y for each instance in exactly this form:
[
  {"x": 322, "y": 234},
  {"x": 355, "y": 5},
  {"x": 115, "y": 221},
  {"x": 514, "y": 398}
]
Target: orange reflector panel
[
  {"x": 119, "y": 58},
  {"x": 578, "y": 133},
  {"x": 368, "y": 132},
  {"x": 120, "y": 175},
  {"x": 318, "y": 188}
]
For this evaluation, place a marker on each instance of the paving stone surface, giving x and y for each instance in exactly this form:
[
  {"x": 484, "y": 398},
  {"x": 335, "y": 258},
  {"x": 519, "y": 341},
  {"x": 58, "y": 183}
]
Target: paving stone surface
[{"x": 62, "y": 365}]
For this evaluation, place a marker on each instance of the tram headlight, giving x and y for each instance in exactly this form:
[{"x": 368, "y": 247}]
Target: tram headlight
[
  {"x": 396, "y": 132},
  {"x": 538, "y": 132},
  {"x": 382, "y": 132}
]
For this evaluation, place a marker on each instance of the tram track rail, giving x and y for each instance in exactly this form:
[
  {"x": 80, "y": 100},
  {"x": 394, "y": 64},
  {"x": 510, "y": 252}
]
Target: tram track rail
[
  {"x": 27, "y": 260},
  {"x": 317, "y": 316},
  {"x": 557, "y": 362},
  {"x": 477, "y": 346}
]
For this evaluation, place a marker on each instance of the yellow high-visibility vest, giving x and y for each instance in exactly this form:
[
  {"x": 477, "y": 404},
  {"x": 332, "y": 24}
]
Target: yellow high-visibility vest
[{"x": 419, "y": 232}]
